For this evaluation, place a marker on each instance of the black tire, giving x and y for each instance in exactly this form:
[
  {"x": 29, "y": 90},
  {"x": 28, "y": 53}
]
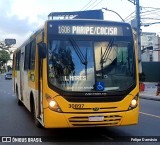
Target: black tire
[
  {"x": 18, "y": 101},
  {"x": 36, "y": 122}
]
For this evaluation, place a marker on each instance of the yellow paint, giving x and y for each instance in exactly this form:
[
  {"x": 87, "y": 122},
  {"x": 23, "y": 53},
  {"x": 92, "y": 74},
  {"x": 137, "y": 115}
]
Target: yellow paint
[{"x": 57, "y": 120}]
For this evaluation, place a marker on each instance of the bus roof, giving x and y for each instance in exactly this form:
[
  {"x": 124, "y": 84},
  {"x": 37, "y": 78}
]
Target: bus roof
[
  {"x": 89, "y": 14},
  {"x": 88, "y": 21}
]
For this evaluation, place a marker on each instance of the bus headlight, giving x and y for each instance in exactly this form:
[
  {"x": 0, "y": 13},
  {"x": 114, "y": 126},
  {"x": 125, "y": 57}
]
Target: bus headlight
[
  {"x": 52, "y": 104},
  {"x": 133, "y": 103}
]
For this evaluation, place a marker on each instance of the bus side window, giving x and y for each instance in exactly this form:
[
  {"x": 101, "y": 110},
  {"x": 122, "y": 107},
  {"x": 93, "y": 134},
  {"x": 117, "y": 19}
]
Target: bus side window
[
  {"x": 17, "y": 65},
  {"x": 32, "y": 55},
  {"x": 27, "y": 56}
]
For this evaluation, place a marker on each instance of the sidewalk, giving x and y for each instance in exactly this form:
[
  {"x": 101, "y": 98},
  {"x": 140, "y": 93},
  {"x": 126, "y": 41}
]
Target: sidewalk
[
  {"x": 149, "y": 95},
  {"x": 149, "y": 91}
]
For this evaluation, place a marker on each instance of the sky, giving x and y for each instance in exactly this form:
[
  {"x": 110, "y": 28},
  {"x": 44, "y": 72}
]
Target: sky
[{"x": 20, "y": 18}]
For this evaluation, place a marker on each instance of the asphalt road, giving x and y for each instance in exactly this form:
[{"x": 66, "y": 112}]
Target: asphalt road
[{"x": 16, "y": 121}]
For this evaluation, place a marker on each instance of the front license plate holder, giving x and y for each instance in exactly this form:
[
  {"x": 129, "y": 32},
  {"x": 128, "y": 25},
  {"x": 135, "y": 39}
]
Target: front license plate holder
[{"x": 96, "y": 118}]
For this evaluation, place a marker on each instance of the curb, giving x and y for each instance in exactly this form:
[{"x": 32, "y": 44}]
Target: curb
[{"x": 150, "y": 98}]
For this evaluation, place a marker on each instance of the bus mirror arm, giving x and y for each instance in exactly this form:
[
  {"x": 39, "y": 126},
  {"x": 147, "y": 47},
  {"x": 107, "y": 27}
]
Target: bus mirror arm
[{"x": 42, "y": 49}]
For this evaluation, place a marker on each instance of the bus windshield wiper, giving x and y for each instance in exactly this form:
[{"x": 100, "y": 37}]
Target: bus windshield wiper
[
  {"x": 79, "y": 53},
  {"x": 104, "y": 56}
]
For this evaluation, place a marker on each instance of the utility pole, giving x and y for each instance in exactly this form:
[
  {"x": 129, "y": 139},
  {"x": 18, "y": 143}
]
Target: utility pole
[
  {"x": 138, "y": 32},
  {"x": 138, "y": 42}
]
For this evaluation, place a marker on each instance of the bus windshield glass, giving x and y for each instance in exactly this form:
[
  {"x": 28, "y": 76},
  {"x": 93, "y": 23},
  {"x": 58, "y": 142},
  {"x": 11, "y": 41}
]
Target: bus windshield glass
[{"x": 91, "y": 65}]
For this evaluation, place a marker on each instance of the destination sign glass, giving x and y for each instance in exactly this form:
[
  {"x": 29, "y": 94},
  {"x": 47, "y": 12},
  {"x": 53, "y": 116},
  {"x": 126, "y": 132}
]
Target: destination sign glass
[{"x": 90, "y": 30}]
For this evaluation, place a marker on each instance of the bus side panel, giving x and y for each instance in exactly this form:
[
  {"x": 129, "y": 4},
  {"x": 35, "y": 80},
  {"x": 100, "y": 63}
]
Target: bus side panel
[{"x": 25, "y": 89}]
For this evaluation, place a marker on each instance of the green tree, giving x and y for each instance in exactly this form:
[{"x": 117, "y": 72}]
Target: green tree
[{"x": 4, "y": 56}]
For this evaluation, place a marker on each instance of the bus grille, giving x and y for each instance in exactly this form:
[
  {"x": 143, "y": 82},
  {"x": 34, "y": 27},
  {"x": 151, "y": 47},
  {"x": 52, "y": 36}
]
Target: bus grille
[{"x": 110, "y": 120}]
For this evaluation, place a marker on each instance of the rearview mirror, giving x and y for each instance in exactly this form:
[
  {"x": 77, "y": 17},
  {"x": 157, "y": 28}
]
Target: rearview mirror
[{"x": 42, "y": 50}]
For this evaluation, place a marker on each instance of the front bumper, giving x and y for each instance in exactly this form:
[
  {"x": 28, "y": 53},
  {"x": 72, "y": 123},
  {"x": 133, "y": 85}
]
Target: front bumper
[{"x": 71, "y": 120}]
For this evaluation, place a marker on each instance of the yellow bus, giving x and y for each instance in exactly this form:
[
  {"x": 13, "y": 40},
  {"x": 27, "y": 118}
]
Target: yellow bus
[{"x": 78, "y": 73}]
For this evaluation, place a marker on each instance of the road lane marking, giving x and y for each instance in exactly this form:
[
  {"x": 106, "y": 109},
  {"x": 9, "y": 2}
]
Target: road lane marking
[
  {"x": 107, "y": 137},
  {"x": 150, "y": 115}
]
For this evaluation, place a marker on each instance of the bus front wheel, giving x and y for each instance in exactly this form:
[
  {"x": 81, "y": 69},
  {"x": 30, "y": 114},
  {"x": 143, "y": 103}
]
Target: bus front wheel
[
  {"x": 37, "y": 123},
  {"x": 18, "y": 100}
]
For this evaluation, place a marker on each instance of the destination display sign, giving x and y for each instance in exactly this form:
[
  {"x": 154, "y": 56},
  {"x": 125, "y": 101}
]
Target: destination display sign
[{"x": 90, "y": 30}]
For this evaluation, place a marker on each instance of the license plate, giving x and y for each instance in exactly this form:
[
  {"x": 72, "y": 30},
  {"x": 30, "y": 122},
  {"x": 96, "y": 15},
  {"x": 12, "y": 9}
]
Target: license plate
[{"x": 96, "y": 118}]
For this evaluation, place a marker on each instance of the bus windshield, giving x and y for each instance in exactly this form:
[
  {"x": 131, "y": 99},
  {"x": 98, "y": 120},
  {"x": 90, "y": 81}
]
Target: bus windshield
[{"x": 91, "y": 65}]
